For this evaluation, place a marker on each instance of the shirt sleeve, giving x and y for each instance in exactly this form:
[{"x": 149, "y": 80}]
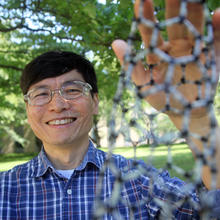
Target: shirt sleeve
[
  {"x": 168, "y": 197},
  {"x": 215, "y": 207}
]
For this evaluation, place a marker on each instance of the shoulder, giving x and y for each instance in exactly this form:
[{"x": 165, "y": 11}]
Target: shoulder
[
  {"x": 129, "y": 169},
  {"x": 118, "y": 160}
]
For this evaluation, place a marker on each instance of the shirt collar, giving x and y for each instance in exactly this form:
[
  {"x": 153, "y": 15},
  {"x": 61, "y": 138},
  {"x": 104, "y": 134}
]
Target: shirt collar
[{"x": 93, "y": 156}]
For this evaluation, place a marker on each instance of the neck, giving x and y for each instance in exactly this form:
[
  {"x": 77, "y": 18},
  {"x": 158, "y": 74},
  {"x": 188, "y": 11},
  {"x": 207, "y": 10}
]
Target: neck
[{"x": 66, "y": 157}]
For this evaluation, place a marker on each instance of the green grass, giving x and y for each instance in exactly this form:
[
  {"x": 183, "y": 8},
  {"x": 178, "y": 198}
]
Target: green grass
[
  {"x": 181, "y": 155},
  {"x": 7, "y": 161}
]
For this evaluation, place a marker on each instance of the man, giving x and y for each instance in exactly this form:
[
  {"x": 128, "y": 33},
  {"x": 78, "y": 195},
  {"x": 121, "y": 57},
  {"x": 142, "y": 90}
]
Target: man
[{"x": 61, "y": 98}]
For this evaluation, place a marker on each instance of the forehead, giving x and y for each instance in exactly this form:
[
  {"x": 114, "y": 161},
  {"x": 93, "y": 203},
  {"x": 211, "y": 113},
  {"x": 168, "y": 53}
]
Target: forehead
[{"x": 55, "y": 82}]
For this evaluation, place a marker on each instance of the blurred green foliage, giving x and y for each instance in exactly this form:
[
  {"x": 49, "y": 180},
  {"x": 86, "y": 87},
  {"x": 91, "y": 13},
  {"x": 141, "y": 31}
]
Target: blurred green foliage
[{"x": 88, "y": 27}]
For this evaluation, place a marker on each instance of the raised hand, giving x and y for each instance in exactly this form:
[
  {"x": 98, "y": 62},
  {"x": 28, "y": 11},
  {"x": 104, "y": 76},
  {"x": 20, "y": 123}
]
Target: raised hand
[
  {"x": 190, "y": 83},
  {"x": 180, "y": 43}
]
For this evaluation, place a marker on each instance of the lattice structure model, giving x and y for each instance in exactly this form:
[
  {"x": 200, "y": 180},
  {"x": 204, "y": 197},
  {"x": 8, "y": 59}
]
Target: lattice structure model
[{"x": 126, "y": 117}]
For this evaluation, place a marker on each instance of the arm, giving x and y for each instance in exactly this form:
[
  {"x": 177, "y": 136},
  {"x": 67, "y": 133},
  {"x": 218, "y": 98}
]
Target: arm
[{"x": 180, "y": 43}]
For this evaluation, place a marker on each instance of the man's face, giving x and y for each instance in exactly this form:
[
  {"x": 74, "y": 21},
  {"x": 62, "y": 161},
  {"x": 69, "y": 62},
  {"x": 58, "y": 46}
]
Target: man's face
[{"x": 62, "y": 122}]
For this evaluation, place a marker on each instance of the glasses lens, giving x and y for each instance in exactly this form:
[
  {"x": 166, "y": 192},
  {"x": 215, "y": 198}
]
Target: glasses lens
[
  {"x": 72, "y": 90},
  {"x": 39, "y": 96}
]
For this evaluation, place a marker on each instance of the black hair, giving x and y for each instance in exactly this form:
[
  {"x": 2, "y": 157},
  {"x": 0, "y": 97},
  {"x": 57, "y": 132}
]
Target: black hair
[{"x": 56, "y": 63}]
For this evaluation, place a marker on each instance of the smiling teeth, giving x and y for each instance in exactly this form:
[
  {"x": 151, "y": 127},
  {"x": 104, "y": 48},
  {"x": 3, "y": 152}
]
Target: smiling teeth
[{"x": 61, "y": 122}]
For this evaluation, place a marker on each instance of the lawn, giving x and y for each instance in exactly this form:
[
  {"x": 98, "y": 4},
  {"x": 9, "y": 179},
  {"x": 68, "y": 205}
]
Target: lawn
[
  {"x": 181, "y": 157},
  {"x": 7, "y": 161}
]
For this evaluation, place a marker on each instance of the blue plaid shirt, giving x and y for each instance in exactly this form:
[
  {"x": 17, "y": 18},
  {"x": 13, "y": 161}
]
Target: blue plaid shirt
[{"x": 36, "y": 191}]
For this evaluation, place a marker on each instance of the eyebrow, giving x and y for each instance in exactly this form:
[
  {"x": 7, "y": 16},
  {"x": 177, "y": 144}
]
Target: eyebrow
[
  {"x": 46, "y": 86},
  {"x": 39, "y": 87},
  {"x": 69, "y": 81}
]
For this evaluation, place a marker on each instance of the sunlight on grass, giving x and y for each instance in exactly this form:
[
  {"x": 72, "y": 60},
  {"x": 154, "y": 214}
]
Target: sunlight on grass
[
  {"x": 8, "y": 165},
  {"x": 8, "y": 161},
  {"x": 146, "y": 151},
  {"x": 181, "y": 156}
]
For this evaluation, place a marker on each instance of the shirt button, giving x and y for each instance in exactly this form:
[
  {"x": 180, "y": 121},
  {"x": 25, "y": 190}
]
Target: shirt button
[{"x": 69, "y": 191}]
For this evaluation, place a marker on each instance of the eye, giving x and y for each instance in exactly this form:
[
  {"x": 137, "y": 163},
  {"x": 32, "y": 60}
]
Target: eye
[
  {"x": 40, "y": 93},
  {"x": 72, "y": 90}
]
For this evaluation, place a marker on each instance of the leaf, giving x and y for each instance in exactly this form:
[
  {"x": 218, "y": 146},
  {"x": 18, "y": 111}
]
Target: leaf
[
  {"x": 124, "y": 3},
  {"x": 213, "y": 4},
  {"x": 90, "y": 10}
]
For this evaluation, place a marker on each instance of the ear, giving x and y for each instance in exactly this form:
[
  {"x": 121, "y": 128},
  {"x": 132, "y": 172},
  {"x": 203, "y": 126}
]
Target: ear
[{"x": 95, "y": 99}]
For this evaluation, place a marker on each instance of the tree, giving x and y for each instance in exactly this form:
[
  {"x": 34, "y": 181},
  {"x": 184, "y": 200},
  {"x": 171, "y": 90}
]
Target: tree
[{"x": 30, "y": 27}]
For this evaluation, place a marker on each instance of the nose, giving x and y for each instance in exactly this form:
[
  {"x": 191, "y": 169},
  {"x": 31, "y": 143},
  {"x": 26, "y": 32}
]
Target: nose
[{"x": 58, "y": 103}]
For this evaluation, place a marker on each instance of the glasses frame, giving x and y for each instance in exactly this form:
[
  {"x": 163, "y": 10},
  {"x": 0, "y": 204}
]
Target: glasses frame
[{"x": 86, "y": 89}]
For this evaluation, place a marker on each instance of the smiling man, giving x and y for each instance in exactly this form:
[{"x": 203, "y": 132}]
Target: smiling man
[
  {"x": 60, "y": 108},
  {"x": 61, "y": 98}
]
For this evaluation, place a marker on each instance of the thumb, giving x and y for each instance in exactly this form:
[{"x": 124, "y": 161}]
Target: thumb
[
  {"x": 120, "y": 48},
  {"x": 139, "y": 75}
]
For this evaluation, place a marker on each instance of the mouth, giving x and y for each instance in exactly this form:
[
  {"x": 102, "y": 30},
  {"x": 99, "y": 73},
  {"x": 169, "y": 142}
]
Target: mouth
[{"x": 63, "y": 121}]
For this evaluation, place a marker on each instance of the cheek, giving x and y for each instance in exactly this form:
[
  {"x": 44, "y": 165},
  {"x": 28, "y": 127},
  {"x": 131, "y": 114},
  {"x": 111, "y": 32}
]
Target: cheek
[
  {"x": 86, "y": 112},
  {"x": 33, "y": 117},
  {"x": 86, "y": 108}
]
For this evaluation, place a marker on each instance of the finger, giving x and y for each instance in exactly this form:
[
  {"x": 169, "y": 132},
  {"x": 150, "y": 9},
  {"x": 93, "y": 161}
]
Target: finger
[
  {"x": 148, "y": 13},
  {"x": 216, "y": 27},
  {"x": 139, "y": 75},
  {"x": 175, "y": 31},
  {"x": 195, "y": 14}
]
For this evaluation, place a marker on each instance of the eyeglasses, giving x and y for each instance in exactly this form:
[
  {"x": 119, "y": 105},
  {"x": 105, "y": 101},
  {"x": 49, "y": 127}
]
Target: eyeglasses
[{"x": 69, "y": 90}]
